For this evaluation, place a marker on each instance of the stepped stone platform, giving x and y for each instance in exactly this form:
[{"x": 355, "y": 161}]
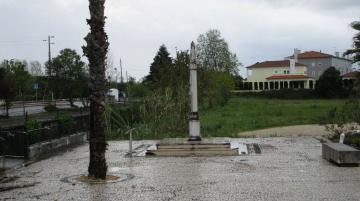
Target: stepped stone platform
[{"x": 183, "y": 147}]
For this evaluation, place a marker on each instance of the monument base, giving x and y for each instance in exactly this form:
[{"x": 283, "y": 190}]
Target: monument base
[
  {"x": 187, "y": 147},
  {"x": 194, "y": 138}
]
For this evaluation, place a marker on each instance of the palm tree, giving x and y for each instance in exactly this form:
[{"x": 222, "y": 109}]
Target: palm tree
[
  {"x": 356, "y": 45},
  {"x": 96, "y": 50},
  {"x": 355, "y": 51}
]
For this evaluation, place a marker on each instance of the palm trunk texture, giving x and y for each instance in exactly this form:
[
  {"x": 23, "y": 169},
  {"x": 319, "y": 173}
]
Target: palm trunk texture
[{"x": 95, "y": 51}]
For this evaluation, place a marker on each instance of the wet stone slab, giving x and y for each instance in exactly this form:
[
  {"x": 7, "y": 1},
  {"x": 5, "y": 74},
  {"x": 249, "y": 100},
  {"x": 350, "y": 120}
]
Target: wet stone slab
[{"x": 287, "y": 169}]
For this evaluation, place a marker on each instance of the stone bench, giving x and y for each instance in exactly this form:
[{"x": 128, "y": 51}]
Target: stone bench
[{"x": 341, "y": 154}]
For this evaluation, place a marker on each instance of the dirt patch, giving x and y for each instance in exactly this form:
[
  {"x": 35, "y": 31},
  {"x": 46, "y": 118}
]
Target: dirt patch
[
  {"x": 286, "y": 131},
  {"x": 90, "y": 180}
]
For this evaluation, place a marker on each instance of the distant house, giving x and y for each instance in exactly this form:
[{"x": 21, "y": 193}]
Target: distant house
[
  {"x": 270, "y": 75},
  {"x": 349, "y": 78},
  {"x": 298, "y": 71},
  {"x": 318, "y": 62}
]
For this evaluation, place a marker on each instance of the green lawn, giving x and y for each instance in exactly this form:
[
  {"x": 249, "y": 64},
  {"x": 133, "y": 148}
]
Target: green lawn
[{"x": 245, "y": 114}]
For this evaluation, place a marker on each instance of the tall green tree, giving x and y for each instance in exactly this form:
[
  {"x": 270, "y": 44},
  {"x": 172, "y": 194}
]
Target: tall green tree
[
  {"x": 213, "y": 53},
  {"x": 329, "y": 84},
  {"x": 20, "y": 78},
  {"x": 68, "y": 75},
  {"x": 6, "y": 92},
  {"x": 96, "y": 50},
  {"x": 159, "y": 69}
]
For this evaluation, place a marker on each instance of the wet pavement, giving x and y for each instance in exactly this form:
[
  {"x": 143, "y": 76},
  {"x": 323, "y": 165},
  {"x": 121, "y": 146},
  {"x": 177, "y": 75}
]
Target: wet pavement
[{"x": 288, "y": 169}]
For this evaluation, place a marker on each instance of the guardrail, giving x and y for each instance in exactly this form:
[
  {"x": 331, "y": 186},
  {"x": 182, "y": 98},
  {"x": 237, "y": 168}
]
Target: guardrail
[{"x": 17, "y": 140}]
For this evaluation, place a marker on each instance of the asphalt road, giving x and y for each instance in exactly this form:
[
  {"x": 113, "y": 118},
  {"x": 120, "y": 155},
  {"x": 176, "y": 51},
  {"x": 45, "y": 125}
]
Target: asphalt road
[{"x": 34, "y": 107}]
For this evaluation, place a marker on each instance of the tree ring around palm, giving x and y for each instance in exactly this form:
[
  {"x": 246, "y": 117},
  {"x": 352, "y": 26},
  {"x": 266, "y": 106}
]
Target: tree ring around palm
[{"x": 85, "y": 179}]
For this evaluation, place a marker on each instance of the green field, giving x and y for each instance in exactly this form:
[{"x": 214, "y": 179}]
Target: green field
[{"x": 245, "y": 114}]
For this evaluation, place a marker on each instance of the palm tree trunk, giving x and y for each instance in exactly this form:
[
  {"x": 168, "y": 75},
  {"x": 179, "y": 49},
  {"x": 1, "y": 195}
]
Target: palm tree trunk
[{"x": 96, "y": 49}]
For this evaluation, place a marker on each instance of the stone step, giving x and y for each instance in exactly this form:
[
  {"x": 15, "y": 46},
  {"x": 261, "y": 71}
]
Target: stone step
[
  {"x": 194, "y": 146},
  {"x": 194, "y": 152},
  {"x": 200, "y": 149}
]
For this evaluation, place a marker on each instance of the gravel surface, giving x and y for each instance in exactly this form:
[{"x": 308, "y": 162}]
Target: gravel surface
[
  {"x": 290, "y": 168},
  {"x": 285, "y": 131}
]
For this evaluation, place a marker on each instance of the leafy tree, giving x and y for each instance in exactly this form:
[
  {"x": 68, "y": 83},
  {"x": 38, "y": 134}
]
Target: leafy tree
[
  {"x": 96, "y": 49},
  {"x": 19, "y": 76},
  {"x": 355, "y": 51},
  {"x": 69, "y": 79},
  {"x": 159, "y": 69},
  {"x": 35, "y": 68},
  {"x": 6, "y": 92},
  {"x": 329, "y": 84},
  {"x": 213, "y": 53}
]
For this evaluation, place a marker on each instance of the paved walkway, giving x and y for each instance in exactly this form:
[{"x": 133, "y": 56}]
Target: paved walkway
[
  {"x": 290, "y": 168},
  {"x": 285, "y": 131}
]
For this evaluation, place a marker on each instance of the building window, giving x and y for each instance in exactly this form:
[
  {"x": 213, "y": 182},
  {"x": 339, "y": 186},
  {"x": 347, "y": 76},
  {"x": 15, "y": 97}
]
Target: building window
[
  {"x": 319, "y": 64},
  {"x": 261, "y": 85},
  {"x": 313, "y": 64},
  {"x": 276, "y": 72}
]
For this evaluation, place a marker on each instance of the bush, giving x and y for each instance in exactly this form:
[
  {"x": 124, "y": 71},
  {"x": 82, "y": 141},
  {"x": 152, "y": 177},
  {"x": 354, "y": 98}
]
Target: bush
[
  {"x": 65, "y": 124},
  {"x": 344, "y": 120},
  {"x": 34, "y": 135},
  {"x": 50, "y": 108},
  {"x": 330, "y": 84},
  {"x": 213, "y": 88},
  {"x": 281, "y": 94}
]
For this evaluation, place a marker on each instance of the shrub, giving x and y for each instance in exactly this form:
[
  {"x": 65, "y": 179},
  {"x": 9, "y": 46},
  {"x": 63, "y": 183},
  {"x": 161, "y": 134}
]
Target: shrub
[
  {"x": 50, "y": 108},
  {"x": 330, "y": 84},
  {"x": 344, "y": 120},
  {"x": 65, "y": 124},
  {"x": 34, "y": 135},
  {"x": 281, "y": 94}
]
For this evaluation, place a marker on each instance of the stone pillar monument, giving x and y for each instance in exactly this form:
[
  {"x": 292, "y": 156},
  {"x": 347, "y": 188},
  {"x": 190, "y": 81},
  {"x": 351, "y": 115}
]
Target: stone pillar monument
[{"x": 194, "y": 123}]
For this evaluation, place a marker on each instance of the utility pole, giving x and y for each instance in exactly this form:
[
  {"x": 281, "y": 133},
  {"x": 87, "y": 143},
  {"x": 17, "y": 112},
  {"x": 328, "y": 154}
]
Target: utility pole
[
  {"x": 49, "y": 62},
  {"x": 49, "y": 52},
  {"x": 121, "y": 75},
  {"x": 127, "y": 80}
]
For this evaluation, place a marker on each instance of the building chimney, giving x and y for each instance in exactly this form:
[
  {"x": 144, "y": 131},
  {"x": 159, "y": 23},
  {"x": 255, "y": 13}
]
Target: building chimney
[{"x": 296, "y": 54}]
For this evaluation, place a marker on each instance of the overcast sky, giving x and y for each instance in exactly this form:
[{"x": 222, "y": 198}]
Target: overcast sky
[{"x": 256, "y": 30}]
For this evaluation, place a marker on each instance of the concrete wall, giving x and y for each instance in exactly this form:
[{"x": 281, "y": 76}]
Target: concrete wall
[
  {"x": 317, "y": 66},
  {"x": 344, "y": 66},
  {"x": 45, "y": 148}
]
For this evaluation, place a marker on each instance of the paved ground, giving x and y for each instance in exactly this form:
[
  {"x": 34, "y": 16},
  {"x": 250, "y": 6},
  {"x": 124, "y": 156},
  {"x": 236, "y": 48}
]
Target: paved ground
[
  {"x": 285, "y": 131},
  {"x": 290, "y": 168}
]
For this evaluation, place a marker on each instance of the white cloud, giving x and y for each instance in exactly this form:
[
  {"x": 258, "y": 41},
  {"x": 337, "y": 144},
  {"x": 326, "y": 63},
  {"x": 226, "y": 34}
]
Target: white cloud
[{"x": 255, "y": 30}]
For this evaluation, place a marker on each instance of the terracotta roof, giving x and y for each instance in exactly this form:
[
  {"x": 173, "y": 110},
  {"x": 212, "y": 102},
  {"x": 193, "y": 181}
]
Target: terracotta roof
[
  {"x": 281, "y": 63},
  {"x": 313, "y": 54},
  {"x": 352, "y": 74},
  {"x": 275, "y": 77}
]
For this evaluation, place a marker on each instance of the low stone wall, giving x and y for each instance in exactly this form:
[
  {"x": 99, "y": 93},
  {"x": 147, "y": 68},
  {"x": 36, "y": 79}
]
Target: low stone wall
[{"x": 44, "y": 148}]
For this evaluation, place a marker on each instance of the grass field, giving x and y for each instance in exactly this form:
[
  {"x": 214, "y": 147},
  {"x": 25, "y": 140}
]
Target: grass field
[{"x": 245, "y": 114}]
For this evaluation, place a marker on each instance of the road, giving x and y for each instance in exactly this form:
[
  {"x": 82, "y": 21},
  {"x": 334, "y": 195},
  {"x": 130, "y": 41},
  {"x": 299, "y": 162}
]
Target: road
[{"x": 35, "y": 107}]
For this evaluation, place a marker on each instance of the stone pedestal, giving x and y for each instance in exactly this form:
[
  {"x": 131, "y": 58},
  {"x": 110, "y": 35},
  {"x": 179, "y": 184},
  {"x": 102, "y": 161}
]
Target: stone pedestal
[{"x": 341, "y": 154}]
